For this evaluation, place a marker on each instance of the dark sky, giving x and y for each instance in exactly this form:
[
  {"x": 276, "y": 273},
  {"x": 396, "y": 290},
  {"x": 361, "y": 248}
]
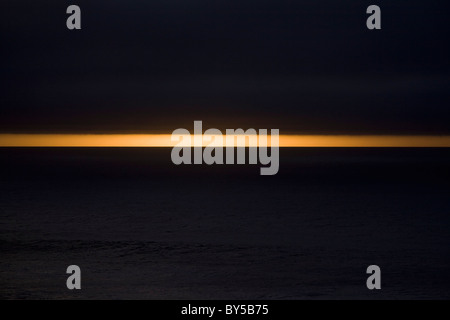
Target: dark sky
[{"x": 300, "y": 66}]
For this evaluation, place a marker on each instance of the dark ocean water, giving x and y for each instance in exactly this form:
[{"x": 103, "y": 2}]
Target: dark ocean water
[{"x": 140, "y": 227}]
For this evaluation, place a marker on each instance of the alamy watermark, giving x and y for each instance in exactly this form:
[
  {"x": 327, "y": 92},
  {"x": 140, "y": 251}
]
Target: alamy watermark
[
  {"x": 74, "y": 20},
  {"x": 208, "y": 147}
]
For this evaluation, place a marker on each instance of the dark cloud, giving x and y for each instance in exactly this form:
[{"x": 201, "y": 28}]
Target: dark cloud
[{"x": 305, "y": 66}]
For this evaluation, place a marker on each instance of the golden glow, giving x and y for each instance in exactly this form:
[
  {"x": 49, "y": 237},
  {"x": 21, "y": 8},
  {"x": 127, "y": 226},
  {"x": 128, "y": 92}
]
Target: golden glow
[
  {"x": 164, "y": 140},
  {"x": 84, "y": 140}
]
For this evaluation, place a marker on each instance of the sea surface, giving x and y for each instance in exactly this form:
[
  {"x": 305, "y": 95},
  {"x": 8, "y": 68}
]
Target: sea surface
[{"x": 140, "y": 227}]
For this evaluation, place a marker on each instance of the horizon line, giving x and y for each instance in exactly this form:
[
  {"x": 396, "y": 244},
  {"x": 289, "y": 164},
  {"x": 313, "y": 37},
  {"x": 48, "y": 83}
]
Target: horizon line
[{"x": 164, "y": 140}]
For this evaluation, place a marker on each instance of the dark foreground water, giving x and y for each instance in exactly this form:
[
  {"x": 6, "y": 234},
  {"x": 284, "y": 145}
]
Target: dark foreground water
[{"x": 140, "y": 227}]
